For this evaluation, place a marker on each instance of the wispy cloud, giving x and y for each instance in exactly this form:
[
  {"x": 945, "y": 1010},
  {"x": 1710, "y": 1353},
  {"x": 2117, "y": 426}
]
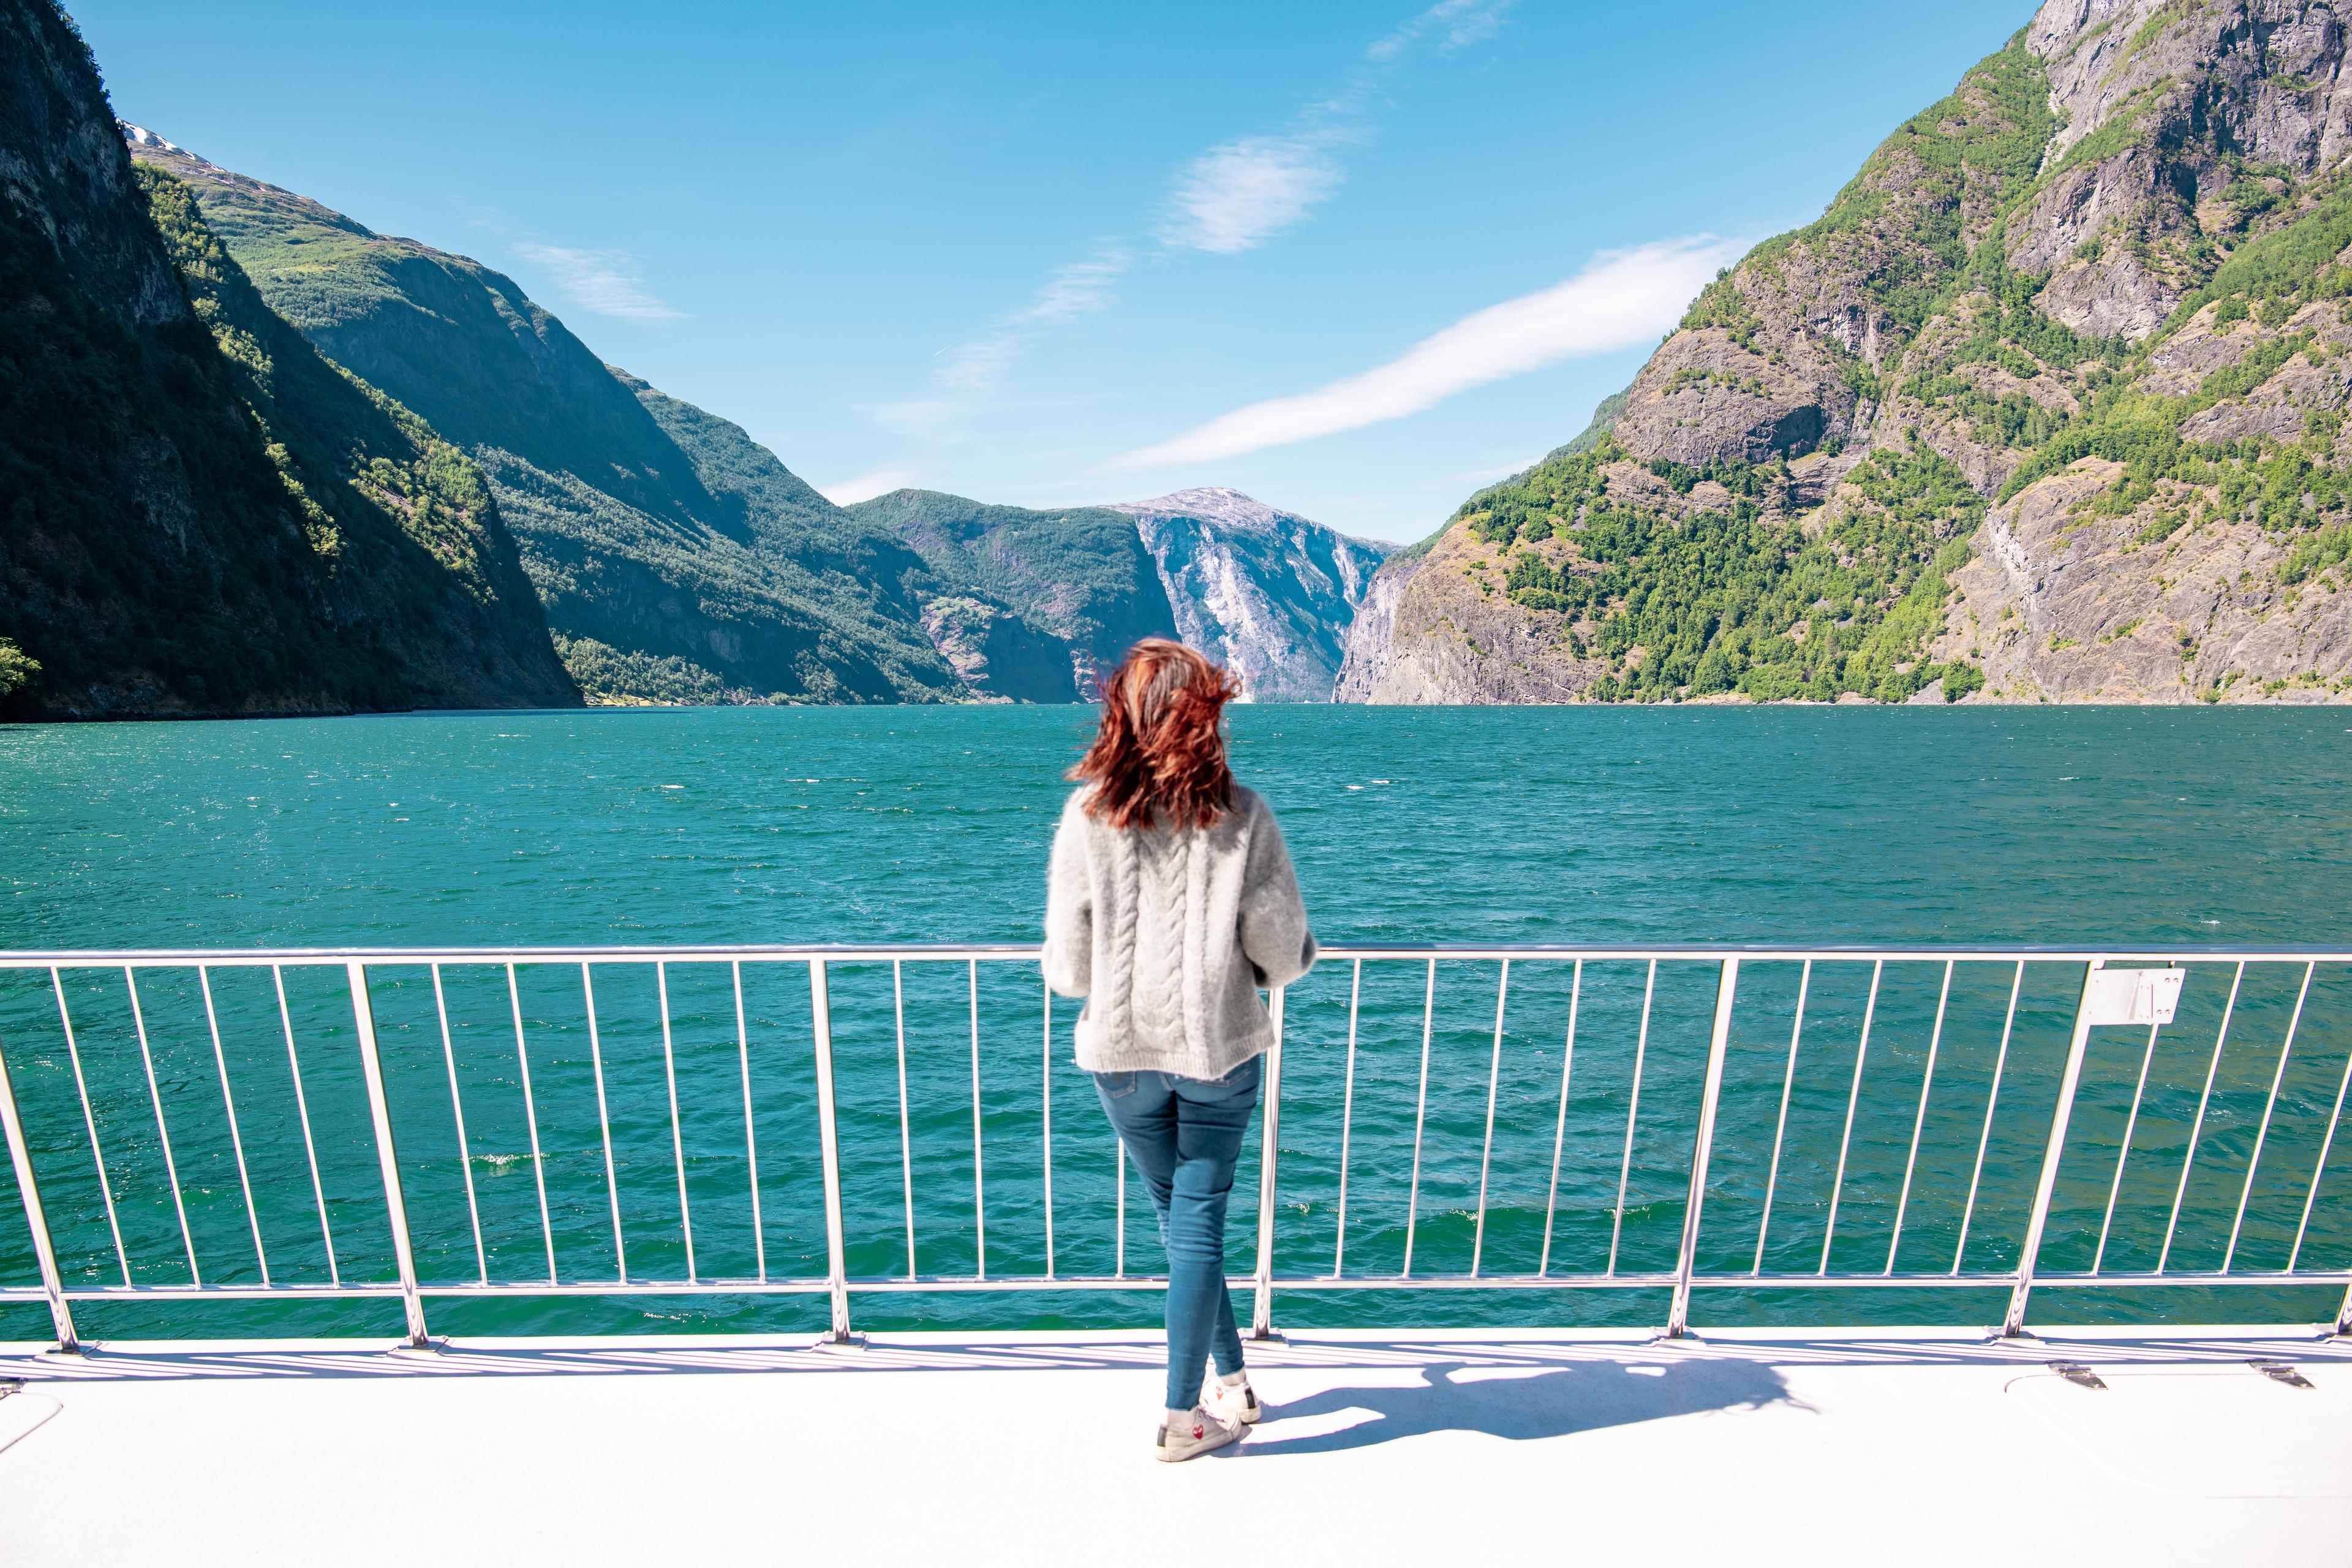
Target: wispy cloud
[
  {"x": 1238, "y": 195},
  {"x": 1078, "y": 288},
  {"x": 602, "y": 282},
  {"x": 1456, "y": 23},
  {"x": 1623, "y": 298},
  {"x": 1233, "y": 197},
  {"x": 866, "y": 486}
]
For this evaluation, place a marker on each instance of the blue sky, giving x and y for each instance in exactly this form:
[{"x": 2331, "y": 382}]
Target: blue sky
[{"x": 1356, "y": 260}]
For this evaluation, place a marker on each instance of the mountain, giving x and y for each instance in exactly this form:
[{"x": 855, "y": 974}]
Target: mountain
[
  {"x": 197, "y": 513},
  {"x": 1267, "y": 593},
  {"x": 677, "y": 559},
  {"x": 2048, "y": 406},
  {"x": 1029, "y": 606}
]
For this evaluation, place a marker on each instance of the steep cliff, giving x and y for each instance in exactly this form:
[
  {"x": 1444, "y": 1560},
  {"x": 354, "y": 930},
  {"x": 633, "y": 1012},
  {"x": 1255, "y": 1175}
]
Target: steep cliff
[
  {"x": 2047, "y": 405},
  {"x": 1267, "y": 593},
  {"x": 1368, "y": 649},
  {"x": 678, "y": 560},
  {"x": 418, "y": 551},
  {"x": 197, "y": 515}
]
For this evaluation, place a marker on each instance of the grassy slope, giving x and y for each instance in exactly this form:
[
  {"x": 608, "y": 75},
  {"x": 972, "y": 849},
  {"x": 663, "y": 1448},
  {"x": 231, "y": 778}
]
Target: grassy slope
[{"x": 663, "y": 540}]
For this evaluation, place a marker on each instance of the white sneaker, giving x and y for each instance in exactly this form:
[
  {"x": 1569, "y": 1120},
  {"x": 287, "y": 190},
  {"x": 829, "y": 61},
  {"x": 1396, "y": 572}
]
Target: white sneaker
[
  {"x": 1201, "y": 1433},
  {"x": 1230, "y": 1401}
]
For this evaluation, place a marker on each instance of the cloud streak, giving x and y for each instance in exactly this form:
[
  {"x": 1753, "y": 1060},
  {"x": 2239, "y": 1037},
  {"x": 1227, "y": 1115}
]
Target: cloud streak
[
  {"x": 1233, "y": 198},
  {"x": 1460, "y": 22},
  {"x": 602, "y": 282},
  {"x": 1241, "y": 194},
  {"x": 1078, "y": 288},
  {"x": 1236, "y": 197},
  {"x": 1622, "y": 299}
]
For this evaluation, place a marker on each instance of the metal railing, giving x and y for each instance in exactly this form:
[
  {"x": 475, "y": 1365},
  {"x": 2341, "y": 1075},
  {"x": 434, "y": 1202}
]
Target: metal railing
[{"x": 1696, "y": 1004}]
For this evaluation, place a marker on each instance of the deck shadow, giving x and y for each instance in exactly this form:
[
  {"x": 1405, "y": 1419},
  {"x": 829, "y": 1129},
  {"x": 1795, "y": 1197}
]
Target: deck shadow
[{"x": 1581, "y": 1396}]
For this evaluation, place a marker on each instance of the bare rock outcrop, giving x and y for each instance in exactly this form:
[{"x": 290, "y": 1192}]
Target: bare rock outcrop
[
  {"x": 1371, "y": 647},
  {"x": 2063, "y": 607},
  {"x": 1456, "y": 637},
  {"x": 1268, "y": 592}
]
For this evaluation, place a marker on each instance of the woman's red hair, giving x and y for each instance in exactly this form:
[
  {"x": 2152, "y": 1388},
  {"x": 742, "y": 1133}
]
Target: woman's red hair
[{"x": 1161, "y": 751}]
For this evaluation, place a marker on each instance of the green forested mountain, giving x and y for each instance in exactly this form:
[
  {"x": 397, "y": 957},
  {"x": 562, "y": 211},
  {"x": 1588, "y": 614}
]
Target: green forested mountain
[
  {"x": 197, "y": 514},
  {"x": 677, "y": 559},
  {"x": 378, "y": 491},
  {"x": 2047, "y": 405},
  {"x": 1029, "y": 606}
]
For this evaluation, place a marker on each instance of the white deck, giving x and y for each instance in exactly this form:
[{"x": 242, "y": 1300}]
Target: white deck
[{"x": 1035, "y": 1448}]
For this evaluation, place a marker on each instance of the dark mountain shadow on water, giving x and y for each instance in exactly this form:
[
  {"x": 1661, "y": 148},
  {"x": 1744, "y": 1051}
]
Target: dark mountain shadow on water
[{"x": 1581, "y": 1398}]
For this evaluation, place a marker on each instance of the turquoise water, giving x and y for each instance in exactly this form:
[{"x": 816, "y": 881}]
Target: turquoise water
[
  {"x": 800, "y": 825},
  {"x": 814, "y": 825}
]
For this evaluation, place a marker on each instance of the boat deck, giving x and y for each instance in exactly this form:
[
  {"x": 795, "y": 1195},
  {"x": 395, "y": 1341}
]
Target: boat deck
[{"x": 1036, "y": 1447}]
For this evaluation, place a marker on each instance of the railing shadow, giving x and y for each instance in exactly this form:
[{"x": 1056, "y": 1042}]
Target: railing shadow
[
  {"x": 1522, "y": 1383},
  {"x": 1555, "y": 1403}
]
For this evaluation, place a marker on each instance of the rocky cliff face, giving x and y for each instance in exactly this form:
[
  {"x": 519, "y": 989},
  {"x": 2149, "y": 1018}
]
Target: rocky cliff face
[
  {"x": 197, "y": 515},
  {"x": 1371, "y": 647},
  {"x": 1267, "y": 593},
  {"x": 2048, "y": 406}
]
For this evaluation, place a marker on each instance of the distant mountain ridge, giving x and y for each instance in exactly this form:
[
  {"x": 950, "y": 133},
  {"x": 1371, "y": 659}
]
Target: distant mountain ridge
[{"x": 1028, "y": 605}]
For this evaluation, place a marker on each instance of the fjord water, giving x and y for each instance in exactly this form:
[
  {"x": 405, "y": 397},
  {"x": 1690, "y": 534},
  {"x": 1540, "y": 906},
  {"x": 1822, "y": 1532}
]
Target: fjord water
[{"x": 723, "y": 825}]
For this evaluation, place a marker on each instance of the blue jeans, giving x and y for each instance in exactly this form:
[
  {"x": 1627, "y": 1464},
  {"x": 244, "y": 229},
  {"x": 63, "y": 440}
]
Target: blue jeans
[{"x": 1185, "y": 1136}]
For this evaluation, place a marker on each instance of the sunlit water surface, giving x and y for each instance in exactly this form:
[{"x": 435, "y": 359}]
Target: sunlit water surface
[{"x": 727, "y": 825}]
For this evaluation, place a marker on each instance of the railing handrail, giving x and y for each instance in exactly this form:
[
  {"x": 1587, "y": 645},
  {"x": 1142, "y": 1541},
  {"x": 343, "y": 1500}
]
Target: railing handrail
[
  {"x": 1726, "y": 958},
  {"x": 685, "y": 953}
]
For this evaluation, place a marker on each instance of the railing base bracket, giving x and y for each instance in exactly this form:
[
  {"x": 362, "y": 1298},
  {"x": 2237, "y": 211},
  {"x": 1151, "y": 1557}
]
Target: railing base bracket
[
  {"x": 431, "y": 1347},
  {"x": 840, "y": 1343},
  {"x": 2078, "y": 1374}
]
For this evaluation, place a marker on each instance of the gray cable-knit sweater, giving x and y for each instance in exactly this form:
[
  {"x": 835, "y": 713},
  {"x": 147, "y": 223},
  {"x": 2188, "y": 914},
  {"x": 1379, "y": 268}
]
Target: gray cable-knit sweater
[{"x": 1168, "y": 935}]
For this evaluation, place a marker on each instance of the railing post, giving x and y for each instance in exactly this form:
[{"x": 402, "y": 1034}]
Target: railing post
[
  {"x": 836, "y": 1267},
  {"x": 20, "y": 1155},
  {"x": 1718, "y": 1043},
  {"x": 2344, "y": 1316},
  {"x": 380, "y": 1112},
  {"x": 1270, "y": 1131},
  {"x": 2013, "y": 1323}
]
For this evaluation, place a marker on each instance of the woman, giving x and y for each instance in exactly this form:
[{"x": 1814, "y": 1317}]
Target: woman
[{"x": 1172, "y": 900}]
